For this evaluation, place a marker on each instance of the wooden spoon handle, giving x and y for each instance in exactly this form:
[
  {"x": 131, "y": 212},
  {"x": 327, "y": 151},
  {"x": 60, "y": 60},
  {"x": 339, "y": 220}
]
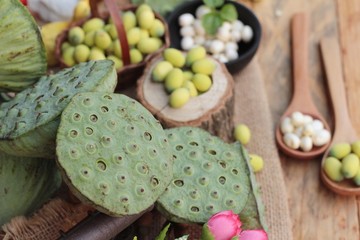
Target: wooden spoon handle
[{"x": 330, "y": 50}]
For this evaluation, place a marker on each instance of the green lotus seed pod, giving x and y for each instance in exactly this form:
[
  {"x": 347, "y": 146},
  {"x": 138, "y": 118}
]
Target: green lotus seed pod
[
  {"x": 191, "y": 87},
  {"x": 112, "y": 31},
  {"x": 179, "y": 97},
  {"x": 146, "y": 19},
  {"x": 96, "y": 54},
  {"x": 93, "y": 24},
  {"x": 356, "y": 178},
  {"x": 161, "y": 70},
  {"x": 355, "y": 147},
  {"x": 149, "y": 45},
  {"x": 256, "y": 162},
  {"x": 350, "y": 165},
  {"x": 64, "y": 46},
  {"x": 332, "y": 168},
  {"x": 68, "y": 56},
  {"x": 102, "y": 39},
  {"x": 144, "y": 33},
  {"x": 89, "y": 39},
  {"x": 76, "y": 35},
  {"x": 195, "y": 54},
  {"x": 81, "y": 53},
  {"x": 174, "y": 79},
  {"x": 118, "y": 62},
  {"x": 135, "y": 56},
  {"x": 175, "y": 57},
  {"x": 117, "y": 48},
  {"x": 340, "y": 150},
  {"x": 204, "y": 66},
  {"x": 242, "y": 133},
  {"x": 129, "y": 20},
  {"x": 133, "y": 36},
  {"x": 142, "y": 7},
  {"x": 202, "y": 82},
  {"x": 188, "y": 75},
  {"x": 157, "y": 29}
]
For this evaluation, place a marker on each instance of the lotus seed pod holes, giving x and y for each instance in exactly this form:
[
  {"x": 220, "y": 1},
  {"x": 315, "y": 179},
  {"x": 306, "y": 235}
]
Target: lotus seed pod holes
[{"x": 113, "y": 152}]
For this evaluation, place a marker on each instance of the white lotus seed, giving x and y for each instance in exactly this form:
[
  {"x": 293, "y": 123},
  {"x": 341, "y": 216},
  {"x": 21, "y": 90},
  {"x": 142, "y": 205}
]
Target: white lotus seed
[
  {"x": 198, "y": 27},
  {"x": 307, "y": 119},
  {"x": 231, "y": 54},
  {"x": 297, "y": 119},
  {"x": 321, "y": 137},
  {"x": 247, "y": 33},
  {"x": 231, "y": 45},
  {"x": 308, "y": 129},
  {"x": 317, "y": 125},
  {"x": 186, "y": 19},
  {"x": 187, "y": 31},
  {"x": 237, "y": 25},
  {"x": 187, "y": 43},
  {"x": 226, "y": 25},
  {"x": 286, "y": 126},
  {"x": 298, "y": 131},
  {"x": 222, "y": 58},
  {"x": 291, "y": 140},
  {"x": 199, "y": 40},
  {"x": 217, "y": 46},
  {"x": 235, "y": 36},
  {"x": 207, "y": 44},
  {"x": 223, "y": 34},
  {"x": 306, "y": 143},
  {"x": 201, "y": 11}
]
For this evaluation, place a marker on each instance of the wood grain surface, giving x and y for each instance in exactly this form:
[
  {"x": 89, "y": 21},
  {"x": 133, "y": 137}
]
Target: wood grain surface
[{"x": 316, "y": 212}]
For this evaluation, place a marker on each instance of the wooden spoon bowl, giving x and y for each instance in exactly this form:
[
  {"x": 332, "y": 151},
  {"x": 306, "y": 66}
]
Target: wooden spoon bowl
[
  {"x": 301, "y": 100},
  {"x": 344, "y": 130}
]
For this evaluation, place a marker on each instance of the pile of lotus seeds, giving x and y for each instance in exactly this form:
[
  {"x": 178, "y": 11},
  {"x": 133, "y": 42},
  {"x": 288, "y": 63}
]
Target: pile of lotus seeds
[
  {"x": 301, "y": 131},
  {"x": 343, "y": 162},
  {"x": 97, "y": 39},
  {"x": 224, "y": 45},
  {"x": 184, "y": 75}
]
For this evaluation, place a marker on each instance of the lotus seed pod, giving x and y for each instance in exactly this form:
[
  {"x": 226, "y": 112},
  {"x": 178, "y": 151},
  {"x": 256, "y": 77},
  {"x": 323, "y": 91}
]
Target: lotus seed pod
[
  {"x": 355, "y": 148},
  {"x": 306, "y": 143},
  {"x": 157, "y": 29},
  {"x": 76, "y": 35},
  {"x": 247, "y": 34},
  {"x": 205, "y": 66},
  {"x": 32, "y": 133},
  {"x": 89, "y": 39},
  {"x": 68, "y": 56},
  {"x": 96, "y": 54},
  {"x": 142, "y": 7},
  {"x": 129, "y": 20},
  {"x": 356, "y": 179},
  {"x": 340, "y": 150},
  {"x": 188, "y": 75},
  {"x": 179, "y": 97},
  {"x": 161, "y": 70},
  {"x": 195, "y": 54},
  {"x": 117, "y": 48},
  {"x": 102, "y": 39},
  {"x": 186, "y": 19},
  {"x": 202, "y": 82},
  {"x": 286, "y": 126},
  {"x": 149, "y": 45},
  {"x": 350, "y": 165},
  {"x": 27, "y": 183},
  {"x": 187, "y": 31},
  {"x": 113, "y": 153},
  {"x": 187, "y": 43},
  {"x": 257, "y": 162},
  {"x": 135, "y": 56},
  {"x": 146, "y": 19},
  {"x": 118, "y": 62},
  {"x": 175, "y": 57},
  {"x": 174, "y": 79},
  {"x": 209, "y": 176},
  {"x": 332, "y": 168},
  {"x": 242, "y": 133},
  {"x": 81, "y": 53},
  {"x": 321, "y": 137},
  {"x": 201, "y": 11},
  {"x": 93, "y": 24},
  {"x": 297, "y": 119},
  {"x": 191, "y": 87},
  {"x": 291, "y": 140},
  {"x": 133, "y": 36}
]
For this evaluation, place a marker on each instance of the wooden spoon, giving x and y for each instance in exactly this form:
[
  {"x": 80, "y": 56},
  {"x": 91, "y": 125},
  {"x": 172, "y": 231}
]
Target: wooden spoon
[
  {"x": 344, "y": 130},
  {"x": 301, "y": 100}
]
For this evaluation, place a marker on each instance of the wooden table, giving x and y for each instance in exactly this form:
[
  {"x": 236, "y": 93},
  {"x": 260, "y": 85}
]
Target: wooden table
[{"x": 316, "y": 212}]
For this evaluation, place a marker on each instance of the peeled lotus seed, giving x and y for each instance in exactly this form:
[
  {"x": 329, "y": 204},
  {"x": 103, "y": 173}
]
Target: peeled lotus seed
[
  {"x": 247, "y": 33},
  {"x": 297, "y": 119},
  {"x": 187, "y": 43},
  {"x": 286, "y": 126},
  {"x": 299, "y": 131},
  {"x": 198, "y": 27},
  {"x": 187, "y": 31},
  {"x": 199, "y": 40},
  {"x": 217, "y": 46},
  {"x": 321, "y": 137},
  {"x": 306, "y": 143},
  {"x": 237, "y": 25},
  {"x": 236, "y": 36},
  {"x": 308, "y": 119},
  {"x": 201, "y": 11},
  {"x": 308, "y": 130},
  {"x": 231, "y": 54},
  {"x": 226, "y": 25},
  {"x": 317, "y": 125},
  {"x": 222, "y": 58},
  {"x": 223, "y": 34},
  {"x": 186, "y": 19},
  {"x": 231, "y": 45},
  {"x": 292, "y": 140}
]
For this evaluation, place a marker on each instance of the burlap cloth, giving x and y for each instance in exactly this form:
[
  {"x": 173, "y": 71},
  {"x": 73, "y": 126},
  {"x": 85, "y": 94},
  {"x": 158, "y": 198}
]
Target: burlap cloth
[{"x": 251, "y": 108}]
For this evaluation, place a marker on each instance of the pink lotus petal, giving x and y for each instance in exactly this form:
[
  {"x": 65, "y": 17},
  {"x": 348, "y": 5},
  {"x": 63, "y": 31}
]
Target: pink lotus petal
[{"x": 253, "y": 235}]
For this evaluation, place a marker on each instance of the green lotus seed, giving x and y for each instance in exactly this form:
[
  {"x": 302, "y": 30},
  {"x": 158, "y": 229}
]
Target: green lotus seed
[
  {"x": 161, "y": 70},
  {"x": 133, "y": 36},
  {"x": 149, "y": 45},
  {"x": 202, "y": 82},
  {"x": 129, "y": 20},
  {"x": 256, "y": 162},
  {"x": 118, "y": 62},
  {"x": 146, "y": 19},
  {"x": 96, "y": 54},
  {"x": 356, "y": 178},
  {"x": 135, "y": 56},
  {"x": 68, "y": 56},
  {"x": 195, "y": 54},
  {"x": 81, "y": 53},
  {"x": 332, "y": 168},
  {"x": 174, "y": 79},
  {"x": 144, "y": 34},
  {"x": 340, "y": 150},
  {"x": 179, "y": 97},
  {"x": 350, "y": 165},
  {"x": 89, "y": 39},
  {"x": 175, "y": 57},
  {"x": 355, "y": 147},
  {"x": 76, "y": 35},
  {"x": 205, "y": 66},
  {"x": 242, "y": 133},
  {"x": 142, "y": 7},
  {"x": 112, "y": 31},
  {"x": 191, "y": 87},
  {"x": 188, "y": 75},
  {"x": 93, "y": 24},
  {"x": 157, "y": 29},
  {"x": 102, "y": 39}
]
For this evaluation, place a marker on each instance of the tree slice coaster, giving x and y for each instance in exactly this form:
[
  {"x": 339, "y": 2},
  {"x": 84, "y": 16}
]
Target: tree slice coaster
[{"x": 212, "y": 110}]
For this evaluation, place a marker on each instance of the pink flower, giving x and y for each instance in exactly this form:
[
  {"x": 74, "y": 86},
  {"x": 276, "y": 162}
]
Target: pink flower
[{"x": 226, "y": 225}]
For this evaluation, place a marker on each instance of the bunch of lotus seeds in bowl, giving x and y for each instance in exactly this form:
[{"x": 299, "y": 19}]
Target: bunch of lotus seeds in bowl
[
  {"x": 301, "y": 131},
  {"x": 184, "y": 75},
  {"x": 223, "y": 44}
]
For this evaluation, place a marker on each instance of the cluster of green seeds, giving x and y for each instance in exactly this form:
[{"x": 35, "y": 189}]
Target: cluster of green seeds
[
  {"x": 184, "y": 75},
  {"x": 97, "y": 39},
  {"x": 343, "y": 162}
]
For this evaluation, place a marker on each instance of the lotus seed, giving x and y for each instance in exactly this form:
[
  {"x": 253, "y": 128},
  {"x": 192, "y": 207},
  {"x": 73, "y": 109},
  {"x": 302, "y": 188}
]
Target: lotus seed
[
  {"x": 101, "y": 165},
  {"x": 179, "y": 183},
  {"x": 222, "y": 180},
  {"x": 93, "y": 118},
  {"x": 89, "y": 131}
]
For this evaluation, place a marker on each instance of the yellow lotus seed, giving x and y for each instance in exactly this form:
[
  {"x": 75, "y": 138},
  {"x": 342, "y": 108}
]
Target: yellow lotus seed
[
  {"x": 256, "y": 162},
  {"x": 129, "y": 20},
  {"x": 133, "y": 36},
  {"x": 340, "y": 150},
  {"x": 204, "y": 66},
  {"x": 161, "y": 70},
  {"x": 179, "y": 97},
  {"x": 174, "y": 79},
  {"x": 332, "y": 168},
  {"x": 350, "y": 165},
  {"x": 175, "y": 57},
  {"x": 195, "y": 54},
  {"x": 81, "y": 53},
  {"x": 146, "y": 19},
  {"x": 135, "y": 56},
  {"x": 242, "y": 133},
  {"x": 355, "y": 147},
  {"x": 149, "y": 45},
  {"x": 157, "y": 29},
  {"x": 118, "y": 62},
  {"x": 102, "y": 39},
  {"x": 76, "y": 35},
  {"x": 191, "y": 87},
  {"x": 68, "y": 56},
  {"x": 202, "y": 82},
  {"x": 357, "y": 178},
  {"x": 93, "y": 24},
  {"x": 96, "y": 54}
]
